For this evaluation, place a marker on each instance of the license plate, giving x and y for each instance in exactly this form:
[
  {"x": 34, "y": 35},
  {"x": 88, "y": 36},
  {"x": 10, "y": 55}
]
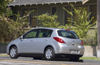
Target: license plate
[{"x": 74, "y": 52}]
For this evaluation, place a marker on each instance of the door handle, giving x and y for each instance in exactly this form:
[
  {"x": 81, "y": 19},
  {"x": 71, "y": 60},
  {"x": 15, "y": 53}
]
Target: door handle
[{"x": 73, "y": 44}]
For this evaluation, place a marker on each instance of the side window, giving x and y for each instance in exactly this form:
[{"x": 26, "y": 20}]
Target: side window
[
  {"x": 31, "y": 34},
  {"x": 44, "y": 33},
  {"x": 67, "y": 34}
]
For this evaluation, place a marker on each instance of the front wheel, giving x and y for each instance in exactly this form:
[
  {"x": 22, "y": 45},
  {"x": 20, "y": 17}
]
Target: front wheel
[
  {"x": 13, "y": 52},
  {"x": 49, "y": 53}
]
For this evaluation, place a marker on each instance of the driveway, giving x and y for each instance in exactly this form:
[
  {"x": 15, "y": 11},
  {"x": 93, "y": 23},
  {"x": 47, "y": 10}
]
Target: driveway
[{"x": 31, "y": 61}]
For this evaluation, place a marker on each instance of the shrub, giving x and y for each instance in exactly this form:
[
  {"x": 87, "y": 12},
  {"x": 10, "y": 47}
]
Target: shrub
[
  {"x": 81, "y": 21},
  {"x": 46, "y": 20},
  {"x": 10, "y": 29}
]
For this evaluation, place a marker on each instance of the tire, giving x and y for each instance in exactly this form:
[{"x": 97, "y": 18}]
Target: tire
[
  {"x": 49, "y": 53},
  {"x": 13, "y": 52},
  {"x": 37, "y": 58},
  {"x": 74, "y": 58}
]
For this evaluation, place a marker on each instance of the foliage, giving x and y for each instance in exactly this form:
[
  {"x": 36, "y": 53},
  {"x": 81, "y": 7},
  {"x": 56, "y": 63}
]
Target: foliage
[
  {"x": 3, "y": 7},
  {"x": 46, "y": 20},
  {"x": 10, "y": 29},
  {"x": 91, "y": 38},
  {"x": 81, "y": 20},
  {"x": 66, "y": 26}
]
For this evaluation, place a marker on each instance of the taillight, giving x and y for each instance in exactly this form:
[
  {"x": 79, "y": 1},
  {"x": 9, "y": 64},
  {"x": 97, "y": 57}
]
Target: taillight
[
  {"x": 82, "y": 43},
  {"x": 58, "y": 40}
]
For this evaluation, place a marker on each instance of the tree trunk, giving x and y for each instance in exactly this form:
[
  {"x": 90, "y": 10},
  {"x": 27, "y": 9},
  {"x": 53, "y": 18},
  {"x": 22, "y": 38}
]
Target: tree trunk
[{"x": 98, "y": 19}]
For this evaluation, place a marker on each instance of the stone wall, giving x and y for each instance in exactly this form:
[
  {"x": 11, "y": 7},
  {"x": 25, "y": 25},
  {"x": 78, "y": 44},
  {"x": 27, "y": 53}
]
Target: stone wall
[{"x": 90, "y": 51}]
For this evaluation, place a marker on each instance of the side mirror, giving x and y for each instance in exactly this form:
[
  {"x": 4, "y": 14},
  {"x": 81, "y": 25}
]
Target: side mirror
[{"x": 21, "y": 37}]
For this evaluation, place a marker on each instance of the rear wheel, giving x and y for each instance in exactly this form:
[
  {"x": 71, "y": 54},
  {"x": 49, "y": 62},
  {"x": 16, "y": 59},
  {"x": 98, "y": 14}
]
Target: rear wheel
[
  {"x": 13, "y": 52},
  {"x": 49, "y": 53}
]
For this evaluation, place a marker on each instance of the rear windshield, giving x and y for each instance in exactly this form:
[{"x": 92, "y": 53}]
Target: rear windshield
[{"x": 68, "y": 34}]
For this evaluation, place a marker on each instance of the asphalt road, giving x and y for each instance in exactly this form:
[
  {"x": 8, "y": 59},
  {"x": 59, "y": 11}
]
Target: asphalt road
[{"x": 31, "y": 61}]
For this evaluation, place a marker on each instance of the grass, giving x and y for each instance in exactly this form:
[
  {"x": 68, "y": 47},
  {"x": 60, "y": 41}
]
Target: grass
[
  {"x": 2, "y": 55},
  {"x": 90, "y": 58}
]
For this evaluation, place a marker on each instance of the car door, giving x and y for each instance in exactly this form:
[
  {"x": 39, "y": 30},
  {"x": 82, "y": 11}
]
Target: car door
[
  {"x": 28, "y": 42},
  {"x": 43, "y": 40}
]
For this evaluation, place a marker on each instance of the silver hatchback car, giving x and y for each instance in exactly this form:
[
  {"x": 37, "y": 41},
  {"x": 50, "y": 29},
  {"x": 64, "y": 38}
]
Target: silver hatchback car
[{"x": 48, "y": 43}]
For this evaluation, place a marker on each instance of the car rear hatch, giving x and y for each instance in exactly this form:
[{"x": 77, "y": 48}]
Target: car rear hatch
[{"x": 70, "y": 38}]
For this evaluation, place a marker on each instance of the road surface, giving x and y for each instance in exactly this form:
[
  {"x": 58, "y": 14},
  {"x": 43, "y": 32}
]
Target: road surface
[{"x": 31, "y": 61}]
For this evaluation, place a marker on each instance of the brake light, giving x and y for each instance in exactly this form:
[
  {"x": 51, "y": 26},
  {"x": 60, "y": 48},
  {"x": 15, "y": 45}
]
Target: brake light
[
  {"x": 58, "y": 40},
  {"x": 82, "y": 43}
]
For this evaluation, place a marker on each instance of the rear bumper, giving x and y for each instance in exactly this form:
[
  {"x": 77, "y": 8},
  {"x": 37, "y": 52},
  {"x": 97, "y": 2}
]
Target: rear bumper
[{"x": 70, "y": 50}]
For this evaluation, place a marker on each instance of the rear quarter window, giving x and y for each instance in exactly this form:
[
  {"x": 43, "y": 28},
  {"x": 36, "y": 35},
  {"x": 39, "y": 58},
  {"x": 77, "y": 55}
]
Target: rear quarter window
[{"x": 68, "y": 34}]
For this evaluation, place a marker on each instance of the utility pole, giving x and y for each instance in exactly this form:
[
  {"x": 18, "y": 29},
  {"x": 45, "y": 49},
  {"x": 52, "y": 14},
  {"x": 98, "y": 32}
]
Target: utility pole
[{"x": 98, "y": 20}]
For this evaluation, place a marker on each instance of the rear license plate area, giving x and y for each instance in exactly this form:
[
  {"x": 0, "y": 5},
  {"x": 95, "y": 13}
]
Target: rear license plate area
[{"x": 74, "y": 51}]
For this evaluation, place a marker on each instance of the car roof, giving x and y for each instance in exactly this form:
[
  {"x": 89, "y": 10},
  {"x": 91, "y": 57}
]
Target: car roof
[{"x": 47, "y": 28}]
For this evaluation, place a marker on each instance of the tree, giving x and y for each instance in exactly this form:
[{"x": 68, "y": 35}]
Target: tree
[
  {"x": 10, "y": 29},
  {"x": 46, "y": 20},
  {"x": 4, "y": 14},
  {"x": 81, "y": 20}
]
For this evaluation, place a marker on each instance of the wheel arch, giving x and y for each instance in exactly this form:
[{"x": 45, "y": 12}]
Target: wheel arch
[
  {"x": 12, "y": 46},
  {"x": 48, "y": 46}
]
